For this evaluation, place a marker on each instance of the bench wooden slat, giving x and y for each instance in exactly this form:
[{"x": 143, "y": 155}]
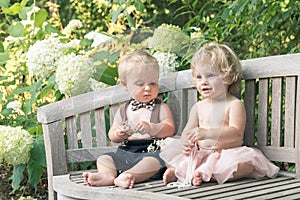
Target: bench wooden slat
[
  {"x": 86, "y": 132},
  {"x": 100, "y": 127},
  {"x": 263, "y": 111},
  {"x": 257, "y": 192},
  {"x": 87, "y": 154},
  {"x": 72, "y": 132},
  {"x": 290, "y": 104},
  {"x": 249, "y": 102},
  {"x": 297, "y": 131},
  {"x": 276, "y": 111}
]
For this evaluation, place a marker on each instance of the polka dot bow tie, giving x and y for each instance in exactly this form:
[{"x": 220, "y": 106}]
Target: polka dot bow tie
[{"x": 135, "y": 105}]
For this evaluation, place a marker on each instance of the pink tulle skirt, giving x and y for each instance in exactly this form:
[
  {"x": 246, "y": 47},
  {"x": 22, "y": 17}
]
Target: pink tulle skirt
[{"x": 219, "y": 165}]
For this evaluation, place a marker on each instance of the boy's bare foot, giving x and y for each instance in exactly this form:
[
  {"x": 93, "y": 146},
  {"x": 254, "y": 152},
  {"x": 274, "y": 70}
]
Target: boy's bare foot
[
  {"x": 197, "y": 179},
  {"x": 169, "y": 176},
  {"x": 98, "y": 179},
  {"x": 125, "y": 180}
]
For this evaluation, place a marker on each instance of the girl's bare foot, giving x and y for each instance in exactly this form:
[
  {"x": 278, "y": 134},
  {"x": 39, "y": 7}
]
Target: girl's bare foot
[
  {"x": 98, "y": 179},
  {"x": 169, "y": 176},
  {"x": 125, "y": 180},
  {"x": 197, "y": 179}
]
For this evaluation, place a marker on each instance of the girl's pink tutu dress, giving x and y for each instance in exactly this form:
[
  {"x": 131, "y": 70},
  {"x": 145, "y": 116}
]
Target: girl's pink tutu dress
[{"x": 215, "y": 164}]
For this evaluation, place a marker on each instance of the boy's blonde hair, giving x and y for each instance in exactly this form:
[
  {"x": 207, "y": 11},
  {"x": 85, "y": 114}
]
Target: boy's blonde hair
[
  {"x": 134, "y": 60},
  {"x": 223, "y": 59}
]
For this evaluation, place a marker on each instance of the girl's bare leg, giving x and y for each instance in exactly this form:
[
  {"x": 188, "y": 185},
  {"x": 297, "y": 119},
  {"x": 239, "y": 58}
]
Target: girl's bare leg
[
  {"x": 243, "y": 170},
  {"x": 106, "y": 173},
  {"x": 142, "y": 171},
  {"x": 169, "y": 175}
]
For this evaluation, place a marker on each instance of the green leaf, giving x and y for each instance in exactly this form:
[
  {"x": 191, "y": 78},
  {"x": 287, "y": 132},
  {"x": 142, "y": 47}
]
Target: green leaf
[
  {"x": 116, "y": 14},
  {"x": 114, "y": 56},
  {"x": 40, "y": 17},
  {"x": 130, "y": 20},
  {"x": 139, "y": 5},
  {"x": 86, "y": 42},
  {"x": 4, "y": 3},
  {"x": 37, "y": 153},
  {"x": 23, "y": 12},
  {"x": 3, "y": 58},
  {"x": 20, "y": 90},
  {"x": 24, "y": 2},
  {"x": 106, "y": 74},
  {"x": 17, "y": 176},
  {"x": 101, "y": 55},
  {"x": 35, "y": 172},
  {"x": 13, "y": 10},
  {"x": 45, "y": 91},
  {"x": 16, "y": 30},
  {"x": 1, "y": 47},
  {"x": 51, "y": 29}
]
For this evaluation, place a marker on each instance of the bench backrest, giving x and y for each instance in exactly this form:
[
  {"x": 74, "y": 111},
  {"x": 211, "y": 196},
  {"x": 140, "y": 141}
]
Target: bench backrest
[{"x": 271, "y": 90}]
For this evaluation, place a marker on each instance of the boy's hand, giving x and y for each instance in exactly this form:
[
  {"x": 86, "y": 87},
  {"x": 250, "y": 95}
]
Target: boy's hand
[
  {"x": 142, "y": 127},
  {"x": 125, "y": 129}
]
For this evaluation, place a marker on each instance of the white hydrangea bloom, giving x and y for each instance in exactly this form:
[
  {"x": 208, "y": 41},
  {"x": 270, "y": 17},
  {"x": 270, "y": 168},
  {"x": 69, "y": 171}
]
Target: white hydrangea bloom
[
  {"x": 73, "y": 74},
  {"x": 166, "y": 61},
  {"x": 98, "y": 38},
  {"x": 15, "y": 105},
  {"x": 72, "y": 25},
  {"x": 96, "y": 85},
  {"x": 42, "y": 57},
  {"x": 15, "y": 145}
]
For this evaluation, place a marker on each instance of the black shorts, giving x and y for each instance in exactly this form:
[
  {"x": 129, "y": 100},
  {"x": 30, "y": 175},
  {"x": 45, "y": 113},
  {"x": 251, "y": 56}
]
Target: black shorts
[{"x": 132, "y": 152}]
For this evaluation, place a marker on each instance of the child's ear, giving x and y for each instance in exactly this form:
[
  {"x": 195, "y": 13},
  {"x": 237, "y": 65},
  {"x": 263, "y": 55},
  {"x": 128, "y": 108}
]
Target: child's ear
[
  {"x": 227, "y": 81},
  {"x": 124, "y": 84}
]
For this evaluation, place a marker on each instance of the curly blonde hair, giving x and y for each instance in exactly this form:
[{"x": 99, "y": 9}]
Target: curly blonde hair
[
  {"x": 223, "y": 59},
  {"x": 136, "y": 59}
]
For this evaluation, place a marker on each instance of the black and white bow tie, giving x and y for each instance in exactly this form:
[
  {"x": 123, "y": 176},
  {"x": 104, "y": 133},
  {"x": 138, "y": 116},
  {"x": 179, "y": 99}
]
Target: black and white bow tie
[{"x": 135, "y": 105}]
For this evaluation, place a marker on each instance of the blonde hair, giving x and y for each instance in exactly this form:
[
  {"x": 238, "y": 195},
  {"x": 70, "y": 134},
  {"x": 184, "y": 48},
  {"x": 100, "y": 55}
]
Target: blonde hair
[
  {"x": 223, "y": 59},
  {"x": 136, "y": 59}
]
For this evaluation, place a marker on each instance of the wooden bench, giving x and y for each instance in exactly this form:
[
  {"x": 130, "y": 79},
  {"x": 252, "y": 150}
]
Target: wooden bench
[{"x": 271, "y": 92}]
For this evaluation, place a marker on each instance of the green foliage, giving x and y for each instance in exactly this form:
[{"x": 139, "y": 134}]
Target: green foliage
[{"x": 253, "y": 28}]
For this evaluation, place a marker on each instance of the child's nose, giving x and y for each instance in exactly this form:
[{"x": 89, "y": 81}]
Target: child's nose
[{"x": 147, "y": 87}]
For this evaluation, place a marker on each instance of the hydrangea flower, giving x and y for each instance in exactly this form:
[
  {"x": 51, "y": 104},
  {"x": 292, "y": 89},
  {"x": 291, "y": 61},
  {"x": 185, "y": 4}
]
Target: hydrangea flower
[
  {"x": 166, "y": 61},
  {"x": 15, "y": 105},
  {"x": 169, "y": 38},
  {"x": 96, "y": 85},
  {"x": 15, "y": 145},
  {"x": 73, "y": 74},
  {"x": 72, "y": 25},
  {"x": 98, "y": 38},
  {"x": 42, "y": 57}
]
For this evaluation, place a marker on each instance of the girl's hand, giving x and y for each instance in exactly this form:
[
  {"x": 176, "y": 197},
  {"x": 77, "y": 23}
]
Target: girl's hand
[
  {"x": 198, "y": 134},
  {"x": 187, "y": 143},
  {"x": 121, "y": 133},
  {"x": 142, "y": 127}
]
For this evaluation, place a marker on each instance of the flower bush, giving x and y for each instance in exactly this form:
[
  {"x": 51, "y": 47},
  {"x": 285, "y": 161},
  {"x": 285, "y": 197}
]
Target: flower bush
[
  {"x": 15, "y": 144},
  {"x": 73, "y": 76}
]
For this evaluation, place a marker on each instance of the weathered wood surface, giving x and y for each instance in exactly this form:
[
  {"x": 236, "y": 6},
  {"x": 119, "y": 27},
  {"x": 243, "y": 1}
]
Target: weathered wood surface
[
  {"x": 270, "y": 94},
  {"x": 283, "y": 186}
]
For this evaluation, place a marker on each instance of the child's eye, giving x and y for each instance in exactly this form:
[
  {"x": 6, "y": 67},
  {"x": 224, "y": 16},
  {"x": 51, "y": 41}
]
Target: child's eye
[
  {"x": 211, "y": 76},
  {"x": 153, "y": 83},
  {"x": 198, "y": 77},
  {"x": 140, "y": 84}
]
